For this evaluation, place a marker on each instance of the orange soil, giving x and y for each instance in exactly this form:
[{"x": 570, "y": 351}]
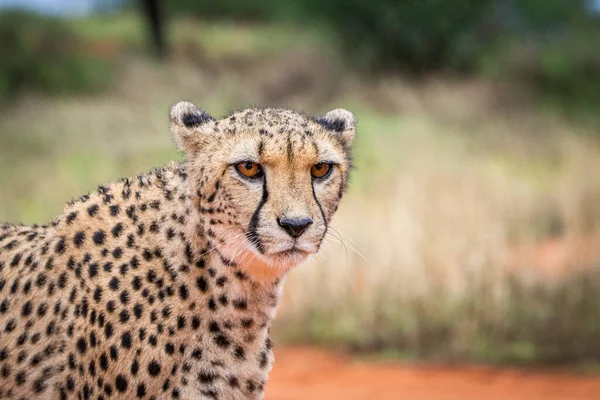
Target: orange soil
[{"x": 311, "y": 374}]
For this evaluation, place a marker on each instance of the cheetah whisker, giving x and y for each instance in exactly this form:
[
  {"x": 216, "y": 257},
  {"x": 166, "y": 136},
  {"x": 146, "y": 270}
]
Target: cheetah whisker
[{"x": 343, "y": 243}]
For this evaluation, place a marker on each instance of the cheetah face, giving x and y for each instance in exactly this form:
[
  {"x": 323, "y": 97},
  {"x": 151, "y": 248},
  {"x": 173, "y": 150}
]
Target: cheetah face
[{"x": 265, "y": 181}]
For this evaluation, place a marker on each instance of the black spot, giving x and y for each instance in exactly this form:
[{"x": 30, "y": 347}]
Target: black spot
[
  {"x": 60, "y": 246},
  {"x": 4, "y": 306},
  {"x": 154, "y": 227},
  {"x": 222, "y": 341},
  {"x": 214, "y": 327},
  {"x": 71, "y": 217},
  {"x": 21, "y": 378},
  {"x": 221, "y": 281},
  {"x": 131, "y": 213},
  {"x": 97, "y": 294},
  {"x": 247, "y": 323},
  {"x": 103, "y": 361},
  {"x": 136, "y": 283},
  {"x": 126, "y": 340},
  {"x": 121, "y": 383},
  {"x": 107, "y": 266},
  {"x": 93, "y": 270},
  {"x": 107, "y": 389},
  {"x": 130, "y": 240},
  {"x": 114, "y": 284},
  {"x": 124, "y": 316},
  {"x": 108, "y": 330},
  {"x": 124, "y": 297},
  {"x": 92, "y": 368},
  {"x": 99, "y": 237},
  {"x": 170, "y": 233},
  {"x": 114, "y": 210},
  {"x": 114, "y": 353},
  {"x": 117, "y": 253},
  {"x": 62, "y": 280},
  {"x": 181, "y": 322},
  {"x": 135, "y": 366},
  {"x": 183, "y": 292},
  {"x": 26, "y": 309},
  {"x": 153, "y": 368},
  {"x": 16, "y": 259},
  {"x": 195, "y": 323},
  {"x": 223, "y": 300},
  {"x": 212, "y": 304},
  {"x": 206, "y": 377},
  {"x": 11, "y": 325},
  {"x": 42, "y": 309},
  {"x": 141, "y": 390},
  {"x": 93, "y": 210},
  {"x": 151, "y": 276},
  {"x": 81, "y": 345},
  {"x": 264, "y": 360},
  {"x": 79, "y": 239},
  {"x": 147, "y": 254},
  {"x": 233, "y": 382},
  {"x": 197, "y": 354},
  {"x": 240, "y": 304},
  {"x": 239, "y": 353},
  {"x": 202, "y": 284},
  {"x": 137, "y": 311},
  {"x": 211, "y": 198},
  {"x": 117, "y": 230}
]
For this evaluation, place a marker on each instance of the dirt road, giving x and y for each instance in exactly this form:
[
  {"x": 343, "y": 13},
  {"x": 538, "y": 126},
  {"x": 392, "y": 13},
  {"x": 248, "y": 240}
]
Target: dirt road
[{"x": 311, "y": 374}]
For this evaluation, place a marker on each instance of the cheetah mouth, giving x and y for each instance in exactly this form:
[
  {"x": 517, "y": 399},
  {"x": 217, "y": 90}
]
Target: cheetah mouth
[{"x": 291, "y": 252}]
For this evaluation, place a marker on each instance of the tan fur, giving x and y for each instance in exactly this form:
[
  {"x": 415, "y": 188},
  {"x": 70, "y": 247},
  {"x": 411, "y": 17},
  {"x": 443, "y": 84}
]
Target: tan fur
[{"x": 176, "y": 272}]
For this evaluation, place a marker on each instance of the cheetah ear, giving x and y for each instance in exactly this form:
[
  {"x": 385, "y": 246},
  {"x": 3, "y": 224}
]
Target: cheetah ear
[
  {"x": 340, "y": 121},
  {"x": 186, "y": 119}
]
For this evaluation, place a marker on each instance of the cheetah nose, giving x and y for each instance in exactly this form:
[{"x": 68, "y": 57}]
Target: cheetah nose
[{"x": 294, "y": 226}]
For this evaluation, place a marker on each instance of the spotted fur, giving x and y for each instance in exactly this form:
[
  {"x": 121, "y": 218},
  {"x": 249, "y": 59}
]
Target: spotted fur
[{"x": 163, "y": 286}]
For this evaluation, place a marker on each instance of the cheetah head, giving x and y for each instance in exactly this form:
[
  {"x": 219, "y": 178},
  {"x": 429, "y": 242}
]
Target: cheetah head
[{"x": 265, "y": 181}]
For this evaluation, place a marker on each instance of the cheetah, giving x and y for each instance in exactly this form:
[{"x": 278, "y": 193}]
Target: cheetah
[{"x": 163, "y": 286}]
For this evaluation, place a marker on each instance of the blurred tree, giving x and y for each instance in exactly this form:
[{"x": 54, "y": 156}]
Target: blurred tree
[{"x": 155, "y": 18}]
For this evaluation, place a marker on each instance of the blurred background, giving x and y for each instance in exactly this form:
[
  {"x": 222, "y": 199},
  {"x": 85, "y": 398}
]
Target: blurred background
[{"x": 471, "y": 232}]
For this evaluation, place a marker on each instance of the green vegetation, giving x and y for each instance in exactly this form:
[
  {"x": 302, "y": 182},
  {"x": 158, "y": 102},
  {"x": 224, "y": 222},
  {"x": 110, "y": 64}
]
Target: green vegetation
[
  {"x": 42, "y": 54},
  {"x": 546, "y": 46}
]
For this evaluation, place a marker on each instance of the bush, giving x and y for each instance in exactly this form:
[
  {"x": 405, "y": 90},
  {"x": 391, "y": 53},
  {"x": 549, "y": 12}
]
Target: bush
[
  {"x": 258, "y": 10},
  {"x": 424, "y": 35},
  {"x": 40, "y": 53},
  {"x": 545, "y": 45}
]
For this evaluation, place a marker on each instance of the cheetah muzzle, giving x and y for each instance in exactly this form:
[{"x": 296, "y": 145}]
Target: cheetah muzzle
[{"x": 163, "y": 286}]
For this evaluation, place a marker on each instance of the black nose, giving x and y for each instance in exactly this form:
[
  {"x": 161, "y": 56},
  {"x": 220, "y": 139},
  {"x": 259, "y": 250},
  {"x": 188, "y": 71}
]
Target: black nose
[{"x": 294, "y": 226}]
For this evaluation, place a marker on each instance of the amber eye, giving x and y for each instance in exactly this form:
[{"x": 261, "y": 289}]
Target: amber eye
[
  {"x": 320, "y": 170},
  {"x": 249, "y": 169}
]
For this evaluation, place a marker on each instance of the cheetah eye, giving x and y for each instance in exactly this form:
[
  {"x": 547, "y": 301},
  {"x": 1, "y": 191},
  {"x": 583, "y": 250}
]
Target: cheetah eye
[
  {"x": 321, "y": 170},
  {"x": 249, "y": 169}
]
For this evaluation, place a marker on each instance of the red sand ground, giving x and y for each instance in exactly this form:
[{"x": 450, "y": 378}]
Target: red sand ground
[{"x": 311, "y": 374}]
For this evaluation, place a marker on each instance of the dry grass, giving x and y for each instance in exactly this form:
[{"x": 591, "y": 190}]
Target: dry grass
[{"x": 459, "y": 190}]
